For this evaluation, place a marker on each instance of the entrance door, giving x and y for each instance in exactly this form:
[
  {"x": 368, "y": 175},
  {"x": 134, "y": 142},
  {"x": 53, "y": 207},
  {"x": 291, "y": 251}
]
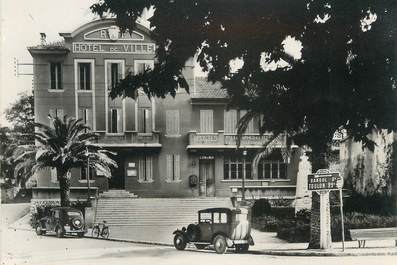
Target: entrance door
[
  {"x": 116, "y": 182},
  {"x": 207, "y": 178}
]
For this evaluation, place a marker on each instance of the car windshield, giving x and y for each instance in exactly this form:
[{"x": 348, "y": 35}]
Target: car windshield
[{"x": 74, "y": 213}]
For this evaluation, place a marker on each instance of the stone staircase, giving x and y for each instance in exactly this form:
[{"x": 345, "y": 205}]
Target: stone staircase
[{"x": 129, "y": 211}]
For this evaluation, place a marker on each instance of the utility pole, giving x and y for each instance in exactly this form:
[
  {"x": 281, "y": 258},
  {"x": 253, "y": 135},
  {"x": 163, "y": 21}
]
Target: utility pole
[{"x": 88, "y": 176}]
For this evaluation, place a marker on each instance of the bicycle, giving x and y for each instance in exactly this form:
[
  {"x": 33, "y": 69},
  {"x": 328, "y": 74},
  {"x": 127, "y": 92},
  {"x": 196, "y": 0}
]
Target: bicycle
[{"x": 100, "y": 229}]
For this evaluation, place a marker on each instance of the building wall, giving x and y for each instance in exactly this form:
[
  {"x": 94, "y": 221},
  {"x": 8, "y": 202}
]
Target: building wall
[
  {"x": 189, "y": 113},
  {"x": 366, "y": 169}
]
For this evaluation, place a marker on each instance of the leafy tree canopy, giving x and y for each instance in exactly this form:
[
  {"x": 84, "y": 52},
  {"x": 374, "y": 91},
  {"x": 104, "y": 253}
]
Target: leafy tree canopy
[
  {"x": 344, "y": 78},
  {"x": 21, "y": 116}
]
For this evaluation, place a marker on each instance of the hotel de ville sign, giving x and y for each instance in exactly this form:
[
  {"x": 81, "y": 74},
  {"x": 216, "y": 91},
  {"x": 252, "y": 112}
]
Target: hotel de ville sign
[{"x": 102, "y": 40}]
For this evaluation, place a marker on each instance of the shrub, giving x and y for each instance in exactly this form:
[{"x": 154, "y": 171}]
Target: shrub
[
  {"x": 261, "y": 207},
  {"x": 266, "y": 223},
  {"x": 371, "y": 204},
  {"x": 298, "y": 229}
]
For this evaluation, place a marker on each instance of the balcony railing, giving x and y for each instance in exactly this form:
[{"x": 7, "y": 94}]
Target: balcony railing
[
  {"x": 222, "y": 140},
  {"x": 129, "y": 139}
]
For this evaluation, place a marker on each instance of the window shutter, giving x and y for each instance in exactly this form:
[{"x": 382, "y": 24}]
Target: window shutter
[
  {"x": 141, "y": 169},
  {"x": 168, "y": 122},
  {"x": 206, "y": 121},
  {"x": 119, "y": 121},
  {"x": 148, "y": 121},
  {"x": 54, "y": 175},
  {"x": 230, "y": 121},
  {"x": 89, "y": 118},
  {"x": 52, "y": 75},
  {"x": 59, "y": 72},
  {"x": 176, "y": 122},
  {"x": 149, "y": 175},
  {"x": 169, "y": 166},
  {"x": 109, "y": 76},
  {"x": 177, "y": 168}
]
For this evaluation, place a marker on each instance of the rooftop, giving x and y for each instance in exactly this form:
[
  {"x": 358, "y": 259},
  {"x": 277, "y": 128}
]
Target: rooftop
[{"x": 206, "y": 89}]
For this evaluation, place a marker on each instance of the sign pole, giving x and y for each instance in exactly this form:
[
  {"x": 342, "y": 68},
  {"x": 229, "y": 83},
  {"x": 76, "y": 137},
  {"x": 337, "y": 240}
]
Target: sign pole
[{"x": 342, "y": 219}]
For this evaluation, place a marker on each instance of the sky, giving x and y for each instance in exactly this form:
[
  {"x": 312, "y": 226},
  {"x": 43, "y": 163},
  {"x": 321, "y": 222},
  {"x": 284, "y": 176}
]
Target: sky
[{"x": 21, "y": 24}]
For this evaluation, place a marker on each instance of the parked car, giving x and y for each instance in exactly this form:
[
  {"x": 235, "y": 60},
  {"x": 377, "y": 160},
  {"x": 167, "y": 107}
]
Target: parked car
[
  {"x": 220, "y": 227},
  {"x": 62, "y": 220}
]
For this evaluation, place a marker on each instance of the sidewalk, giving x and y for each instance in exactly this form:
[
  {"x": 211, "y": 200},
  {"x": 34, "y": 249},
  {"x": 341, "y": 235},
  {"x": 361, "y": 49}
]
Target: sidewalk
[{"x": 265, "y": 243}]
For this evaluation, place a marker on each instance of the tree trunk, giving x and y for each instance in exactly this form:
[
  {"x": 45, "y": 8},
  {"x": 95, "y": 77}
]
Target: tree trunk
[
  {"x": 319, "y": 159},
  {"x": 64, "y": 188}
]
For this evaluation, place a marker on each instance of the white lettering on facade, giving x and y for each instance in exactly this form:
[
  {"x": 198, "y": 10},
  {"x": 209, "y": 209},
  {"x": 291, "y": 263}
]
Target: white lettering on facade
[{"x": 88, "y": 47}]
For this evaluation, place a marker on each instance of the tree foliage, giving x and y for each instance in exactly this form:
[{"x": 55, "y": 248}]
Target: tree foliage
[
  {"x": 20, "y": 115},
  {"x": 345, "y": 77},
  {"x": 64, "y": 145}
]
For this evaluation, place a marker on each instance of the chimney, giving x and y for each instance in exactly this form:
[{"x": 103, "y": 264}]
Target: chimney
[{"x": 43, "y": 40}]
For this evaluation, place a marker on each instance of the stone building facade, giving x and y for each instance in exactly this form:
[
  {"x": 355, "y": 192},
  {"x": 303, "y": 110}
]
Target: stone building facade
[{"x": 166, "y": 147}]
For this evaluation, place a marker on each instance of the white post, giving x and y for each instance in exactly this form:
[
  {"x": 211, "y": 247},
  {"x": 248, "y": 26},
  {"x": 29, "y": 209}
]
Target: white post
[
  {"x": 342, "y": 219},
  {"x": 325, "y": 221}
]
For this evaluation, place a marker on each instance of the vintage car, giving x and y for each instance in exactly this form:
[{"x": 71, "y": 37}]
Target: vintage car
[
  {"x": 220, "y": 227},
  {"x": 62, "y": 220}
]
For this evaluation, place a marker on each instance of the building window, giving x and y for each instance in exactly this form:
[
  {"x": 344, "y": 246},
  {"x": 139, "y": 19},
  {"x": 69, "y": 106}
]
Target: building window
[
  {"x": 114, "y": 74},
  {"x": 172, "y": 122},
  {"x": 56, "y": 76},
  {"x": 86, "y": 115},
  {"x": 233, "y": 167},
  {"x": 57, "y": 113},
  {"x": 230, "y": 121},
  {"x": 272, "y": 170},
  {"x": 84, "y": 172},
  {"x": 145, "y": 169},
  {"x": 250, "y": 126},
  {"x": 84, "y": 76},
  {"x": 206, "y": 121},
  {"x": 173, "y": 167},
  {"x": 141, "y": 65},
  {"x": 145, "y": 120},
  {"x": 116, "y": 123}
]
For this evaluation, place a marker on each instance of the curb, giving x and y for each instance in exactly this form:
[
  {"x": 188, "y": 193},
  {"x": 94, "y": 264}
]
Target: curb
[{"x": 308, "y": 253}]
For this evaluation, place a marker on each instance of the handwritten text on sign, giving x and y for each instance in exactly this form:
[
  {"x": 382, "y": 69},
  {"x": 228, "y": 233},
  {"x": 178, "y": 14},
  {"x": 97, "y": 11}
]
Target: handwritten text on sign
[
  {"x": 92, "y": 47},
  {"x": 323, "y": 181}
]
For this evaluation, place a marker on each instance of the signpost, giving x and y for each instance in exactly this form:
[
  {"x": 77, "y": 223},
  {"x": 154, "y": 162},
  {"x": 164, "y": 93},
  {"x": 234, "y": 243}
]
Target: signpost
[{"x": 322, "y": 182}]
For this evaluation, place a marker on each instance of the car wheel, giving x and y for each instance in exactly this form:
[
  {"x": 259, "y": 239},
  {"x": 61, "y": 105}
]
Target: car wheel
[
  {"x": 200, "y": 246},
  {"x": 59, "y": 231},
  {"x": 105, "y": 232},
  {"x": 220, "y": 244},
  {"x": 179, "y": 242},
  {"x": 95, "y": 232},
  {"x": 38, "y": 229},
  {"x": 81, "y": 234}
]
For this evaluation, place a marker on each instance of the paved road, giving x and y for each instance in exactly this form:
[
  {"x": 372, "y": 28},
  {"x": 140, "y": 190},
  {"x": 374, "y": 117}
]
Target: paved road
[{"x": 24, "y": 247}]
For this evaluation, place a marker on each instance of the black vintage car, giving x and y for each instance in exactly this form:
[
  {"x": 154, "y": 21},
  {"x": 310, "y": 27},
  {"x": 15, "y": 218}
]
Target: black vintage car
[
  {"x": 62, "y": 220},
  {"x": 220, "y": 227}
]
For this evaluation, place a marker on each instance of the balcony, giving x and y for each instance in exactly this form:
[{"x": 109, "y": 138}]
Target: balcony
[
  {"x": 129, "y": 139},
  {"x": 223, "y": 141}
]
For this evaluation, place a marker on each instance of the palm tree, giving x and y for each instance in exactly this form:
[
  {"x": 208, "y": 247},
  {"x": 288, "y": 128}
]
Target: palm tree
[{"x": 64, "y": 145}]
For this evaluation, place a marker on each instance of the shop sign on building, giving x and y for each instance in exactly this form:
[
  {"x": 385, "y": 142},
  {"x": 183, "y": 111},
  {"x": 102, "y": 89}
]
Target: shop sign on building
[{"x": 103, "y": 47}]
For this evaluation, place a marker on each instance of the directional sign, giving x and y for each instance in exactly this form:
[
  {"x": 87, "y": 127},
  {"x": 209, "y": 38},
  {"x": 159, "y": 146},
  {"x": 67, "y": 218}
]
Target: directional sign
[{"x": 324, "y": 181}]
